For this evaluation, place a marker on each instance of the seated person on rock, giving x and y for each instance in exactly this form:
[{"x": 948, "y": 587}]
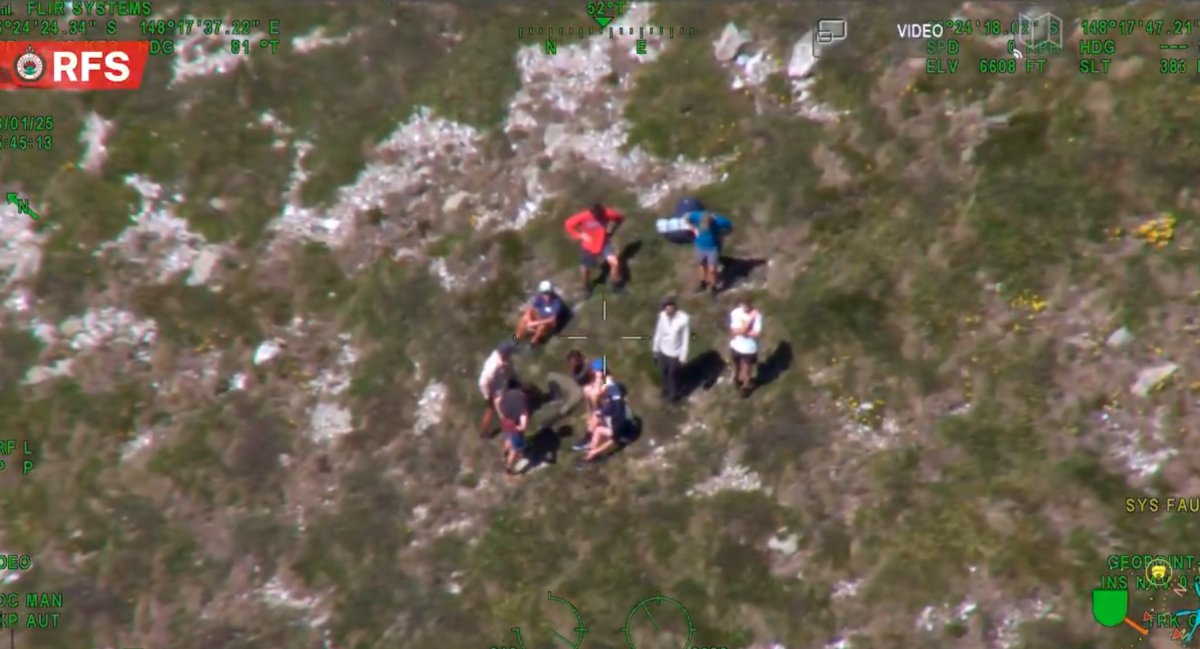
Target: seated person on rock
[
  {"x": 542, "y": 316},
  {"x": 593, "y": 391},
  {"x": 612, "y": 423},
  {"x": 593, "y": 383}
]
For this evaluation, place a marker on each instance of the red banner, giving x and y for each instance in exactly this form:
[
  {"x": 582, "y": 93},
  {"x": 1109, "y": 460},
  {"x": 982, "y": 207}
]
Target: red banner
[{"x": 73, "y": 65}]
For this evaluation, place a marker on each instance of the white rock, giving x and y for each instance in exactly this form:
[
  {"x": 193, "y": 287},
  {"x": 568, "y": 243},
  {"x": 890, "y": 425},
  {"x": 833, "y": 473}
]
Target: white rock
[
  {"x": 329, "y": 421},
  {"x": 574, "y": 83},
  {"x": 203, "y": 267},
  {"x": 424, "y": 141},
  {"x": 803, "y": 60},
  {"x": 70, "y": 327},
  {"x": 95, "y": 131},
  {"x": 200, "y": 54},
  {"x": 1151, "y": 378},
  {"x": 43, "y": 373},
  {"x": 554, "y": 136},
  {"x": 266, "y": 351},
  {"x": 455, "y": 201},
  {"x": 730, "y": 43},
  {"x": 40, "y": 374},
  {"x": 431, "y": 408},
  {"x": 20, "y": 246},
  {"x": 533, "y": 179},
  {"x": 785, "y": 545},
  {"x": 1119, "y": 338}
]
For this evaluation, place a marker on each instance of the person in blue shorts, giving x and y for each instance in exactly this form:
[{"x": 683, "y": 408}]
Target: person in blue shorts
[
  {"x": 710, "y": 230},
  {"x": 514, "y": 420}
]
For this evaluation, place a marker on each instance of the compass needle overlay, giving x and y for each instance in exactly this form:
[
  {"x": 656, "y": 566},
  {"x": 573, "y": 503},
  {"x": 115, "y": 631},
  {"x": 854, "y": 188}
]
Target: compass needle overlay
[
  {"x": 659, "y": 623},
  {"x": 560, "y": 625}
]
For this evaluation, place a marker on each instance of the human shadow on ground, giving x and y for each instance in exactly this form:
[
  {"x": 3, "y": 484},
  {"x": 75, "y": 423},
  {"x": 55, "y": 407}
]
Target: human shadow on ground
[
  {"x": 774, "y": 366},
  {"x": 543, "y": 446},
  {"x": 627, "y": 253},
  {"x": 700, "y": 373},
  {"x": 564, "y": 317},
  {"x": 734, "y": 270}
]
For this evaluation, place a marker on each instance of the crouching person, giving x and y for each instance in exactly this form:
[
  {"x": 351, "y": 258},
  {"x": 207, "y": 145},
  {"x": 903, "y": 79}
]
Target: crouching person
[
  {"x": 612, "y": 424},
  {"x": 514, "y": 421}
]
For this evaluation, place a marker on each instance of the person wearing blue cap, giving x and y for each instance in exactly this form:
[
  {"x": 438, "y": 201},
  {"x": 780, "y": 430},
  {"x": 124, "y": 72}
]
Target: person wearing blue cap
[
  {"x": 612, "y": 420},
  {"x": 593, "y": 391},
  {"x": 497, "y": 373}
]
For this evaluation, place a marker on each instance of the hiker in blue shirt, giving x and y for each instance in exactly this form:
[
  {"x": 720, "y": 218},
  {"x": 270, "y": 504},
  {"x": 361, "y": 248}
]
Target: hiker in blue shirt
[
  {"x": 541, "y": 318},
  {"x": 710, "y": 230}
]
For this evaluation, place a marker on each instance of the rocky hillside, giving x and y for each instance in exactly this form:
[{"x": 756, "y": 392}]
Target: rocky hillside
[{"x": 242, "y": 339}]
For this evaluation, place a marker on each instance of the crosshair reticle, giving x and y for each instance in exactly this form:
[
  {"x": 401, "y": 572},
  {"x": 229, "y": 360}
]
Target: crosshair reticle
[
  {"x": 659, "y": 622},
  {"x": 604, "y": 318}
]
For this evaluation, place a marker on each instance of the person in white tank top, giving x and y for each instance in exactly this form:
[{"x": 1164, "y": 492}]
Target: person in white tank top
[{"x": 745, "y": 327}]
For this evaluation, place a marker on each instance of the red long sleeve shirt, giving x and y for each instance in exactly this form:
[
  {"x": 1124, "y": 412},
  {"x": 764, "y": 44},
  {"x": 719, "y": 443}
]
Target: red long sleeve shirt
[{"x": 584, "y": 223}]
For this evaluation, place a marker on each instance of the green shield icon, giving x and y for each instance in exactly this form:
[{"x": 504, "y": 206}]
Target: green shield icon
[{"x": 1110, "y": 607}]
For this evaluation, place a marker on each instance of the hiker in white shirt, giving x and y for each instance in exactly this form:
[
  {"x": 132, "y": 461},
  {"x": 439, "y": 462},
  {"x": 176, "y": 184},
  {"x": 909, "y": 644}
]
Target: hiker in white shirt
[
  {"x": 496, "y": 375},
  {"x": 671, "y": 337},
  {"x": 745, "y": 325}
]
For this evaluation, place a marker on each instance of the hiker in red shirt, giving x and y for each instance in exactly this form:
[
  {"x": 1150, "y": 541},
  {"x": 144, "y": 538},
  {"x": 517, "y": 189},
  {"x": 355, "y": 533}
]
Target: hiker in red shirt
[{"x": 593, "y": 230}]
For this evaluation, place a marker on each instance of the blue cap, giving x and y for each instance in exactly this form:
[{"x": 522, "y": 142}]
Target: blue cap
[
  {"x": 506, "y": 347},
  {"x": 688, "y": 205},
  {"x": 598, "y": 365}
]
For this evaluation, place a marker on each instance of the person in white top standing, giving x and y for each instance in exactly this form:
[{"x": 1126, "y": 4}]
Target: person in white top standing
[
  {"x": 671, "y": 337},
  {"x": 497, "y": 374},
  {"x": 745, "y": 327}
]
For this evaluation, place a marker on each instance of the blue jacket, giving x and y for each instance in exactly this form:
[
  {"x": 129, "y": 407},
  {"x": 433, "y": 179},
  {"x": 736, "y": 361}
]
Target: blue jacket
[
  {"x": 709, "y": 240},
  {"x": 614, "y": 407},
  {"x": 547, "y": 305}
]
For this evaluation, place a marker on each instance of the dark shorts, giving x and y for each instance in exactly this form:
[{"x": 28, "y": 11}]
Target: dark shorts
[
  {"x": 708, "y": 258},
  {"x": 744, "y": 358},
  {"x": 628, "y": 431},
  {"x": 516, "y": 440},
  {"x": 591, "y": 261}
]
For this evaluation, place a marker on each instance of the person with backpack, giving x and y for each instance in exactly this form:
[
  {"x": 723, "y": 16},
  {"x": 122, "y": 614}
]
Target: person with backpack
[
  {"x": 593, "y": 229},
  {"x": 710, "y": 230},
  {"x": 745, "y": 328}
]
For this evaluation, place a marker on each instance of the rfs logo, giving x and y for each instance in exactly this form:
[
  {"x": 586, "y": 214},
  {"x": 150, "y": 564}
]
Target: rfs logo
[{"x": 30, "y": 66}]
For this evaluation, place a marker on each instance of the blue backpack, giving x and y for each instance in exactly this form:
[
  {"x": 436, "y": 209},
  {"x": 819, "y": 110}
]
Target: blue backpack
[{"x": 688, "y": 205}]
